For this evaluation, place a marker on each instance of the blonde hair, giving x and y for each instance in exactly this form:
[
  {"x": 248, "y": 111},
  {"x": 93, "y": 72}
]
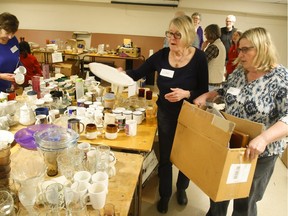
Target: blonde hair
[
  {"x": 266, "y": 56},
  {"x": 185, "y": 26}
]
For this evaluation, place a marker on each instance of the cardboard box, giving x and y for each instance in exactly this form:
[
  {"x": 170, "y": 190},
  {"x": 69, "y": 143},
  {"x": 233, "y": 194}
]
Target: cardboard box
[
  {"x": 284, "y": 157},
  {"x": 201, "y": 152},
  {"x": 67, "y": 68}
]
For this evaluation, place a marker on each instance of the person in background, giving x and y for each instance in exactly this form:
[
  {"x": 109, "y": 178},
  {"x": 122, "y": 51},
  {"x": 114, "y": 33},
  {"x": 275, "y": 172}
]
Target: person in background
[
  {"x": 215, "y": 53},
  {"x": 196, "y": 17},
  {"x": 257, "y": 90},
  {"x": 29, "y": 62},
  {"x": 227, "y": 32},
  {"x": 177, "y": 14},
  {"x": 182, "y": 74},
  {"x": 233, "y": 53},
  {"x": 9, "y": 51}
]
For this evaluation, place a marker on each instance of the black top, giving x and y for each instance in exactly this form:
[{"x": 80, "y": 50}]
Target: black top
[{"x": 192, "y": 77}]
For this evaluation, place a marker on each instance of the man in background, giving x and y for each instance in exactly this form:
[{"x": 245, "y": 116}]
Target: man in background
[{"x": 227, "y": 32}]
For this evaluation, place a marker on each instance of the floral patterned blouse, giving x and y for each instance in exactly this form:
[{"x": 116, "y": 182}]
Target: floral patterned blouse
[{"x": 263, "y": 100}]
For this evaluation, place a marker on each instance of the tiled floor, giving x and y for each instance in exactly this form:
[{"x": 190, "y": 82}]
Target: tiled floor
[{"x": 274, "y": 203}]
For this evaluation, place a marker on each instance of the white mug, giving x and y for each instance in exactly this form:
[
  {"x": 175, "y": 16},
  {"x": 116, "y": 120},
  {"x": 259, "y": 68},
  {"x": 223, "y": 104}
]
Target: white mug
[
  {"x": 97, "y": 193},
  {"x": 131, "y": 127},
  {"x": 82, "y": 176},
  {"x": 138, "y": 116},
  {"x": 102, "y": 177},
  {"x": 71, "y": 111},
  {"x": 80, "y": 189},
  {"x": 43, "y": 119}
]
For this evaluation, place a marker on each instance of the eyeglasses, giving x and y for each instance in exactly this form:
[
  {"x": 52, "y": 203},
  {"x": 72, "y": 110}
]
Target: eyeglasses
[
  {"x": 244, "y": 50},
  {"x": 176, "y": 35}
]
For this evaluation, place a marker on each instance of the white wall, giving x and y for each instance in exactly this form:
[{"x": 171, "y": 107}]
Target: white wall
[{"x": 84, "y": 15}]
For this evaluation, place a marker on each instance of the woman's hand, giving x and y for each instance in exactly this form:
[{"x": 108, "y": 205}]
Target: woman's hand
[
  {"x": 201, "y": 100},
  {"x": 177, "y": 94},
  {"x": 7, "y": 76},
  {"x": 255, "y": 147}
]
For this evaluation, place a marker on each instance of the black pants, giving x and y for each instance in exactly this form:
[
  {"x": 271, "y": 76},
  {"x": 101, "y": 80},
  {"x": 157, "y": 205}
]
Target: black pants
[
  {"x": 166, "y": 132},
  {"x": 248, "y": 206}
]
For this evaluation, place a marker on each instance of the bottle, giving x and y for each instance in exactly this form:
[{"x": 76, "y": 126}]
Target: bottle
[{"x": 79, "y": 84}]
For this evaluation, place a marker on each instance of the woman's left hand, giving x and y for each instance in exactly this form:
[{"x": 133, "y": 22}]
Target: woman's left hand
[
  {"x": 255, "y": 147},
  {"x": 177, "y": 94}
]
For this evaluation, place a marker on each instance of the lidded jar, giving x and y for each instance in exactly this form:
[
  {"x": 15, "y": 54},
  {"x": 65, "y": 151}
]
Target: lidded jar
[{"x": 51, "y": 142}]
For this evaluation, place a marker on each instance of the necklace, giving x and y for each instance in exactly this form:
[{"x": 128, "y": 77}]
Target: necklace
[{"x": 179, "y": 60}]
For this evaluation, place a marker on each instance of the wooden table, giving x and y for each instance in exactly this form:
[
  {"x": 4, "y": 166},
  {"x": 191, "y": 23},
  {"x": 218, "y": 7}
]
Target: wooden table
[
  {"x": 125, "y": 186},
  {"x": 142, "y": 142}
]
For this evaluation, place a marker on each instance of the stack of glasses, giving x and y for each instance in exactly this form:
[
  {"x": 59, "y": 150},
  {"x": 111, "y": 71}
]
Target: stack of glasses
[{"x": 5, "y": 164}]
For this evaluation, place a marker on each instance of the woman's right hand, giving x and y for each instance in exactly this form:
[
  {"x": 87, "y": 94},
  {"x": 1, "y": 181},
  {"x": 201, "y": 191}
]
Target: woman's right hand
[
  {"x": 7, "y": 76},
  {"x": 201, "y": 100}
]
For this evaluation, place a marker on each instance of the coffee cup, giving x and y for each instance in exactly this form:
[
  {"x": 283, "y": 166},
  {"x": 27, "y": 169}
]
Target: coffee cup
[
  {"x": 91, "y": 131},
  {"x": 111, "y": 131},
  {"x": 43, "y": 119},
  {"x": 138, "y": 116},
  {"x": 82, "y": 176},
  {"x": 76, "y": 125},
  {"x": 80, "y": 189},
  {"x": 97, "y": 193},
  {"x": 42, "y": 111},
  {"x": 71, "y": 111},
  {"x": 19, "y": 78},
  {"x": 102, "y": 177},
  {"x": 131, "y": 127}
]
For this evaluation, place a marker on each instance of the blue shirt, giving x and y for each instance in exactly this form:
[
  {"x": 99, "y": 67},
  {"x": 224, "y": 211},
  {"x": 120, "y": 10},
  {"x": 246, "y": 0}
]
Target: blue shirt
[{"x": 9, "y": 60}]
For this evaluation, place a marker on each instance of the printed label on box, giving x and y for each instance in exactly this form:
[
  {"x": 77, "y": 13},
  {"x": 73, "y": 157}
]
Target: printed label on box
[{"x": 238, "y": 173}]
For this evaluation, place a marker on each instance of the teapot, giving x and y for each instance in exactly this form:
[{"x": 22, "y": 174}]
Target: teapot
[{"x": 26, "y": 115}]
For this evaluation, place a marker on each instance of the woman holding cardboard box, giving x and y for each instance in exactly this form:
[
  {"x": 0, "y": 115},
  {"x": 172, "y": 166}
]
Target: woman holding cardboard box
[
  {"x": 257, "y": 90},
  {"x": 182, "y": 75}
]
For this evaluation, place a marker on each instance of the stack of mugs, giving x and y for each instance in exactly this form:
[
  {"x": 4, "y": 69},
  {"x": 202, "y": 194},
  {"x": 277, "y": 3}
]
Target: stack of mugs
[{"x": 5, "y": 164}]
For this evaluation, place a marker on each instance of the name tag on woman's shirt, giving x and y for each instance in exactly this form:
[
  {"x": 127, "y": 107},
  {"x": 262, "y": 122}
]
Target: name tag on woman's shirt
[
  {"x": 14, "y": 49},
  {"x": 233, "y": 91},
  {"x": 167, "y": 73}
]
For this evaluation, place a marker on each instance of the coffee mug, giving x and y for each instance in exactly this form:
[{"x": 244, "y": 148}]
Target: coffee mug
[
  {"x": 111, "y": 131},
  {"x": 97, "y": 193},
  {"x": 82, "y": 176},
  {"x": 76, "y": 125},
  {"x": 80, "y": 189},
  {"x": 91, "y": 131},
  {"x": 71, "y": 111},
  {"x": 43, "y": 119},
  {"x": 138, "y": 116},
  {"x": 131, "y": 127},
  {"x": 19, "y": 78},
  {"x": 102, "y": 177},
  {"x": 42, "y": 111}
]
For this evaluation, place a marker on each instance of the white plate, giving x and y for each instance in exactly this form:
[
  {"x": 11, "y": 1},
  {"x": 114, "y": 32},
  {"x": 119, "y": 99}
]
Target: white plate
[
  {"x": 110, "y": 74},
  {"x": 6, "y": 137}
]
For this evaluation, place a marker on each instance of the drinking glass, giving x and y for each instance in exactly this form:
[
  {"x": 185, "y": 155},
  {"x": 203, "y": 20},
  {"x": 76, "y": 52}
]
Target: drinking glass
[
  {"x": 109, "y": 209},
  {"x": 6, "y": 203},
  {"x": 66, "y": 166},
  {"x": 103, "y": 156}
]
